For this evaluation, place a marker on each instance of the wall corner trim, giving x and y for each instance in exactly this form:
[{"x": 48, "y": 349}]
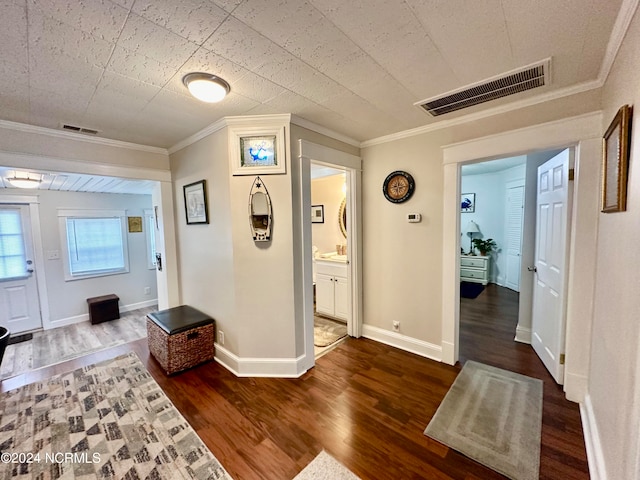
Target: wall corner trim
[
  {"x": 260, "y": 367},
  {"x": 595, "y": 455},
  {"x": 523, "y": 335},
  {"x": 403, "y": 342}
]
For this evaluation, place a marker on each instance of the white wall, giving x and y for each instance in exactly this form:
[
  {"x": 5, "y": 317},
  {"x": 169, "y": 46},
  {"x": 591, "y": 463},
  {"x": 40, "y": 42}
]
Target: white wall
[
  {"x": 490, "y": 213},
  {"x": 614, "y": 383},
  {"x": 329, "y": 192},
  {"x": 68, "y": 299}
]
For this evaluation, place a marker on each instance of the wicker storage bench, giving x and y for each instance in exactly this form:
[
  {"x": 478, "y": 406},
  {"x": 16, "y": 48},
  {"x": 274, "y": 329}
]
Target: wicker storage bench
[{"x": 180, "y": 338}]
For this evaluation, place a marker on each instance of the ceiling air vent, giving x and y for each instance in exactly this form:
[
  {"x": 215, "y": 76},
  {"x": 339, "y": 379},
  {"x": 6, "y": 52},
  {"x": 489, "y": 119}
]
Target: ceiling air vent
[
  {"x": 532, "y": 76},
  {"x": 73, "y": 128}
]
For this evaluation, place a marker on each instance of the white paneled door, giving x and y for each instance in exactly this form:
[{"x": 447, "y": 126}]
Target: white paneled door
[
  {"x": 515, "y": 218},
  {"x": 19, "y": 302},
  {"x": 551, "y": 259}
]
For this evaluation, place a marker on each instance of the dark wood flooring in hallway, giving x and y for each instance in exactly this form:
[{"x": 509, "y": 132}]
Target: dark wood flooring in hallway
[{"x": 366, "y": 403}]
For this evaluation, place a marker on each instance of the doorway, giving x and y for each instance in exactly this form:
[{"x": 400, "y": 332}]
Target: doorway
[
  {"x": 329, "y": 256},
  {"x": 349, "y": 259},
  {"x": 504, "y": 194},
  {"x": 582, "y": 132},
  {"x": 21, "y": 272}
]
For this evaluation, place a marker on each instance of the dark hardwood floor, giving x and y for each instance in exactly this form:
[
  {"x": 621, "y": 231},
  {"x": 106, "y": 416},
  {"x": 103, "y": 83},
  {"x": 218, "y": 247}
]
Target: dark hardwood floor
[{"x": 367, "y": 404}]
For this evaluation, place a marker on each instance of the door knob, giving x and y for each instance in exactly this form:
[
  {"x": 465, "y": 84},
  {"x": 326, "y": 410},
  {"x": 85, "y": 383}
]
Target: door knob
[
  {"x": 29, "y": 270},
  {"x": 532, "y": 269}
]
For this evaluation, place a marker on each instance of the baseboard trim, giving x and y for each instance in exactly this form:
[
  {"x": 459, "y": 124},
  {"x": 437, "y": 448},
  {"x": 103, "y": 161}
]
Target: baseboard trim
[
  {"x": 63, "y": 322},
  {"x": 139, "y": 305},
  {"x": 260, "y": 367},
  {"x": 523, "y": 335},
  {"x": 575, "y": 387},
  {"x": 403, "y": 342},
  {"x": 595, "y": 456}
]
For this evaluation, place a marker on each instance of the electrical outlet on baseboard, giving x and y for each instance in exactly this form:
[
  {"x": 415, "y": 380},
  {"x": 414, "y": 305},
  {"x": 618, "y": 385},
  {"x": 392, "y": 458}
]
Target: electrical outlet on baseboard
[{"x": 221, "y": 338}]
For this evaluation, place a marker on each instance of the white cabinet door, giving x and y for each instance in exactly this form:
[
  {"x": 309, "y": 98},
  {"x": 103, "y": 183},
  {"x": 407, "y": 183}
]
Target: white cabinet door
[
  {"x": 341, "y": 296},
  {"x": 324, "y": 294}
]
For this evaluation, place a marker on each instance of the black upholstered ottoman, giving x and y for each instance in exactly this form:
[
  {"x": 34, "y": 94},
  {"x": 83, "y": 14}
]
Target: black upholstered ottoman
[{"x": 180, "y": 338}]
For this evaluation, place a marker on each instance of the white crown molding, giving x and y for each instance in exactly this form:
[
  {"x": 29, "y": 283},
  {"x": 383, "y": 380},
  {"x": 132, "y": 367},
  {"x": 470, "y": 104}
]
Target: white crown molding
[
  {"x": 301, "y": 122},
  {"x": 557, "y": 133},
  {"x": 509, "y": 107},
  {"x": 258, "y": 120},
  {"x": 229, "y": 121},
  {"x": 620, "y": 27},
  {"x": 213, "y": 128},
  {"x": 23, "y": 127}
]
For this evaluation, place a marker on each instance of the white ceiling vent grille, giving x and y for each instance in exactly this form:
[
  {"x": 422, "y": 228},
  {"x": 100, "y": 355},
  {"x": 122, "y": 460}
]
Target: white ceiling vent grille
[
  {"x": 73, "y": 128},
  {"x": 513, "y": 82}
]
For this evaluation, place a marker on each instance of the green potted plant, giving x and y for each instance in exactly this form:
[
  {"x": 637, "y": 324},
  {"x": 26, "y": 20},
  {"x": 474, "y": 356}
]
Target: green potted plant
[{"x": 485, "y": 247}]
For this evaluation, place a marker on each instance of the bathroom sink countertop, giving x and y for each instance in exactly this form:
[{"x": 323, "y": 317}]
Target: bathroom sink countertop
[{"x": 332, "y": 257}]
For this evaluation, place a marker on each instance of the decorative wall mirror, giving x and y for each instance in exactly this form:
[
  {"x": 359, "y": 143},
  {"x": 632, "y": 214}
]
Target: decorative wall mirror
[
  {"x": 260, "y": 212},
  {"x": 342, "y": 217}
]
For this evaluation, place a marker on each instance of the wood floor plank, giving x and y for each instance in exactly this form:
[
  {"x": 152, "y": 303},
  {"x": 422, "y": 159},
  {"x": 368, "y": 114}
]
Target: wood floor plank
[{"x": 365, "y": 403}]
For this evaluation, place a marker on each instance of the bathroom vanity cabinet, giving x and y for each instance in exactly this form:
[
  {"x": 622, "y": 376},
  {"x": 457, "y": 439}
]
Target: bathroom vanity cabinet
[{"x": 332, "y": 289}]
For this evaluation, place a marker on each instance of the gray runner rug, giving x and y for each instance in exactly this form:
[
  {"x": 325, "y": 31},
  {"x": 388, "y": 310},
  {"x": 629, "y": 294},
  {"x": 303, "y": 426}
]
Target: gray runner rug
[{"x": 494, "y": 417}]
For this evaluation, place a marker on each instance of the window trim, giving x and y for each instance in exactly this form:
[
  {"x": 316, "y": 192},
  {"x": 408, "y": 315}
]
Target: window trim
[
  {"x": 148, "y": 229},
  {"x": 64, "y": 214}
]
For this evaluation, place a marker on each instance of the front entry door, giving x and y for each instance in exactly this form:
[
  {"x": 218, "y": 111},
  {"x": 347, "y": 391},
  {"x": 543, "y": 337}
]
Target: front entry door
[
  {"x": 551, "y": 259},
  {"x": 19, "y": 302}
]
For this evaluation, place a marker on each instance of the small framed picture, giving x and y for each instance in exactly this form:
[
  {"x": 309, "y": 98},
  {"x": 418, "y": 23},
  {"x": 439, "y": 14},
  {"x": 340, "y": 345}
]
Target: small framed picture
[
  {"x": 615, "y": 148},
  {"x": 195, "y": 202},
  {"x": 257, "y": 150},
  {"x": 468, "y": 202},
  {"x": 317, "y": 213},
  {"x": 135, "y": 224}
]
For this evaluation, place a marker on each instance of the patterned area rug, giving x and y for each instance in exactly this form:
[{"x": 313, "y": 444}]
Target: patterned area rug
[
  {"x": 325, "y": 467},
  {"x": 110, "y": 420},
  {"x": 326, "y": 332},
  {"x": 494, "y": 417}
]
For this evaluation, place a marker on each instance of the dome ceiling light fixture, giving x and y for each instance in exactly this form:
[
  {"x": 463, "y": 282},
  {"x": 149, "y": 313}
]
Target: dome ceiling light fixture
[
  {"x": 206, "y": 87},
  {"x": 24, "y": 182}
]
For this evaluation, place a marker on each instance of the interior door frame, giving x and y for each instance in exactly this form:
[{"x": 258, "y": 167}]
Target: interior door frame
[
  {"x": 352, "y": 165},
  {"x": 167, "y": 280},
  {"x": 32, "y": 202},
  {"x": 584, "y": 134}
]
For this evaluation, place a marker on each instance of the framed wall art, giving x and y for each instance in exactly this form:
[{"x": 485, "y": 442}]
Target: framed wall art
[
  {"x": 317, "y": 213},
  {"x": 257, "y": 150},
  {"x": 468, "y": 202},
  {"x": 195, "y": 202},
  {"x": 615, "y": 161},
  {"x": 135, "y": 224}
]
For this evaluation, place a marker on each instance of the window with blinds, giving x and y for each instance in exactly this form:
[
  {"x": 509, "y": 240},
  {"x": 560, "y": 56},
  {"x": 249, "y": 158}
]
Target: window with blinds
[
  {"x": 96, "y": 243},
  {"x": 12, "y": 253}
]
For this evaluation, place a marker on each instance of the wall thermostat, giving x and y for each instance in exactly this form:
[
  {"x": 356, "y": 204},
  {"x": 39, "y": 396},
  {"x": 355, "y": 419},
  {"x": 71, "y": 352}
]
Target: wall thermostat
[{"x": 413, "y": 217}]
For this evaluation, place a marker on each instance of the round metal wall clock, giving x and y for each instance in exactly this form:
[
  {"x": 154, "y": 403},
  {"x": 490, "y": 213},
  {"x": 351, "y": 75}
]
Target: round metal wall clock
[{"x": 398, "y": 186}]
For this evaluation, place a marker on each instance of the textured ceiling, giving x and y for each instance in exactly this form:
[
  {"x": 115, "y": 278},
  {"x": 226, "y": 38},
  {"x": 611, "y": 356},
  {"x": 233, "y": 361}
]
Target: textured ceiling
[{"x": 353, "y": 66}]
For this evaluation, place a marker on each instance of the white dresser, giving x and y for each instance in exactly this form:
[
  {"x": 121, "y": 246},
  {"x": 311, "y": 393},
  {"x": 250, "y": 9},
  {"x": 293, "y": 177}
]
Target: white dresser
[{"x": 474, "y": 269}]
